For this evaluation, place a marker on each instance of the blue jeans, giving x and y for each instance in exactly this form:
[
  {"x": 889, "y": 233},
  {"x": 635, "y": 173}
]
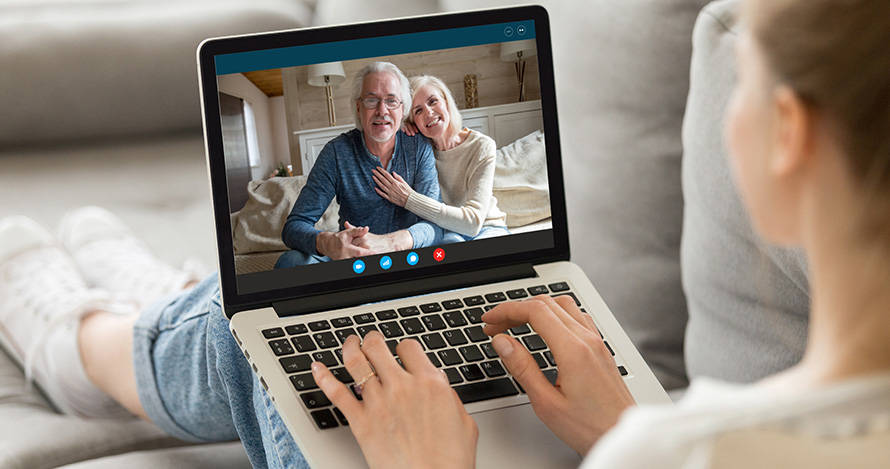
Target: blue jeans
[
  {"x": 485, "y": 232},
  {"x": 295, "y": 257},
  {"x": 195, "y": 384}
]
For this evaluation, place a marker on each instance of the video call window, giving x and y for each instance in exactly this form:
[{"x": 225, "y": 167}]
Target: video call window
[{"x": 276, "y": 124}]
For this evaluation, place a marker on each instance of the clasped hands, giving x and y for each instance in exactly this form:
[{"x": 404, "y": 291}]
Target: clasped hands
[
  {"x": 358, "y": 241},
  {"x": 410, "y": 417}
]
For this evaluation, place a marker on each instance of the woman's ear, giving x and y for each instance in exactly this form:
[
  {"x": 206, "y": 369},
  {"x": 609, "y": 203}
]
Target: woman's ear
[{"x": 794, "y": 133}]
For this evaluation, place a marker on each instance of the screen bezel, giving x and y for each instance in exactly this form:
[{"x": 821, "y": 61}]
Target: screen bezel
[{"x": 233, "y": 301}]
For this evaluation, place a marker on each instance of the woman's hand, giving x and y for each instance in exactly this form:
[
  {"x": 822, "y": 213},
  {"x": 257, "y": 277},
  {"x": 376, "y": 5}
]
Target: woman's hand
[
  {"x": 409, "y": 128},
  {"x": 589, "y": 395},
  {"x": 408, "y": 417},
  {"x": 391, "y": 186}
]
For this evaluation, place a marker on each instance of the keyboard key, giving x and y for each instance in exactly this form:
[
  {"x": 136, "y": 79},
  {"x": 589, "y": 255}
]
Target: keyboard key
[
  {"x": 387, "y": 315},
  {"x": 434, "y": 359},
  {"x": 551, "y": 375},
  {"x": 622, "y": 370},
  {"x": 297, "y": 329},
  {"x": 455, "y": 319},
  {"x": 296, "y": 364},
  {"x": 315, "y": 399},
  {"x": 326, "y": 357},
  {"x": 471, "y": 353},
  {"x": 540, "y": 360},
  {"x": 455, "y": 337},
  {"x": 412, "y": 326},
  {"x": 316, "y": 326},
  {"x": 342, "y": 334},
  {"x": 475, "y": 392},
  {"x": 609, "y": 347},
  {"x": 409, "y": 311},
  {"x": 433, "y": 341},
  {"x": 493, "y": 369},
  {"x": 516, "y": 294},
  {"x": 430, "y": 308},
  {"x": 495, "y": 297},
  {"x": 326, "y": 339},
  {"x": 539, "y": 290},
  {"x": 363, "y": 318},
  {"x": 340, "y": 417},
  {"x": 392, "y": 344},
  {"x": 450, "y": 357},
  {"x": 303, "y": 382},
  {"x": 556, "y": 287},
  {"x": 434, "y": 322},
  {"x": 548, "y": 355},
  {"x": 342, "y": 375},
  {"x": 452, "y": 304},
  {"x": 363, "y": 330},
  {"x": 273, "y": 333},
  {"x": 453, "y": 376},
  {"x": 534, "y": 343},
  {"x": 520, "y": 330},
  {"x": 474, "y": 315},
  {"x": 474, "y": 301},
  {"x": 339, "y": 354},
  {"x": 488, "y": 350},
  {"x": 475, "y": 334},
  {"x": 391, "y": 329},
  {"x": 324, "y": 418},
  {"x": 471, "y": 372},
  {"x": 341, "y": 322},
  {"x": 281, "y": 347},
  {"x": 303, "y": 343}
]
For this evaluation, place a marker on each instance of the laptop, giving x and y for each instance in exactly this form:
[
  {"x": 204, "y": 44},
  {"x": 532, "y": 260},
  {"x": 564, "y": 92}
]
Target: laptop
[{"x": 498, "y": 64}]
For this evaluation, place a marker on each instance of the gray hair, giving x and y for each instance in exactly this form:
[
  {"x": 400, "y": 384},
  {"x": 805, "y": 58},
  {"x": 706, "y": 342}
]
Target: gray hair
[
  {"x": 455, "y": 118},
  {"x": 379, "y": 67}
]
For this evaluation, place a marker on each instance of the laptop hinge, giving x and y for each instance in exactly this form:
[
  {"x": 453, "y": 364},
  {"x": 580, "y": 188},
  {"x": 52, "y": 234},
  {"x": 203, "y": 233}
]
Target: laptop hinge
[{"x": 403, "y": 289}]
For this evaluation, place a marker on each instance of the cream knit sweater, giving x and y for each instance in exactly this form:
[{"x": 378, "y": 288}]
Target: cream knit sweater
[{"x": 466, "y": 177}]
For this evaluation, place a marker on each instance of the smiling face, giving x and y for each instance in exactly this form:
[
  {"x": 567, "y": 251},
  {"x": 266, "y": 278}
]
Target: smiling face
[
  {"x": 380, "y": 123},
  {"x": 430, "y": 112}
]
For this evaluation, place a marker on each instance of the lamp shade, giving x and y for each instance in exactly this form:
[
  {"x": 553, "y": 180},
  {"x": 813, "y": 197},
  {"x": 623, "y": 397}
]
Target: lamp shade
[
  {"x": 510, "y": 49},
  {"x": 332, "y": 70}
]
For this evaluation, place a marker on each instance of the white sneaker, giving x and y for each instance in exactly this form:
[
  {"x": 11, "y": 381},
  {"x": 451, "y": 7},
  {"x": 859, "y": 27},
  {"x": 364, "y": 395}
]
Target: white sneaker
[
  {"x": 42, "y": 300},
  {"x": 111, "y": 257}
]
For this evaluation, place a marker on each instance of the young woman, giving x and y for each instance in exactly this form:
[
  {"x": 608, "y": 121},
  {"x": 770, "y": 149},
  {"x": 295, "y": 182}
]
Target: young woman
[
  {"x": 808, "y": 133},
  {"x": 465, "y": 161}
]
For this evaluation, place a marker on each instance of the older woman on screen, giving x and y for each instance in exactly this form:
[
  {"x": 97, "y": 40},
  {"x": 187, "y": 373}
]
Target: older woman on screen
[{"x": 465, "y": 161}]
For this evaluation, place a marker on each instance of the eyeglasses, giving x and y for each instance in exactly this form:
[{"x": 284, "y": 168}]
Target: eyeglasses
[{"x": 372, "y": 103}]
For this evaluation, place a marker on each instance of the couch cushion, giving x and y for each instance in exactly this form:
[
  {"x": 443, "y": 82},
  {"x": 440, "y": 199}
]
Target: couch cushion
[
  {"x": 33, "y": 435},
  {"x": 84, "y": 69},
  {"x": 520, "y": 181},
  {"x": 748, "y": 300},
  {"x": 211, "y": 456}
]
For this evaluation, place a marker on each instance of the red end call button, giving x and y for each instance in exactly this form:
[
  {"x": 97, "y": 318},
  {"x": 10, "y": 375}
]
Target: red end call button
[{"x": 439, "y": 255}]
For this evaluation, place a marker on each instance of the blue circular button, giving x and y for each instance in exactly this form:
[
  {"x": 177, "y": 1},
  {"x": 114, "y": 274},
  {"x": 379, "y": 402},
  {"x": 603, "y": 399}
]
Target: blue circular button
[
  {"x": 358, "y": 266},
  {"x": 413, "y": 258},
  {"x": 385, "y": 262}
]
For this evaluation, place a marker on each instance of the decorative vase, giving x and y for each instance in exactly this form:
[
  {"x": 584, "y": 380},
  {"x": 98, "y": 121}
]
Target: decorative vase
[{"x": 470, "y": 91}]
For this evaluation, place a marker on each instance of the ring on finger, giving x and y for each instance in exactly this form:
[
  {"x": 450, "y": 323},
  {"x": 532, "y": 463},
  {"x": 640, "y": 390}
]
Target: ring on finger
[{"x": 361, "y": 384}]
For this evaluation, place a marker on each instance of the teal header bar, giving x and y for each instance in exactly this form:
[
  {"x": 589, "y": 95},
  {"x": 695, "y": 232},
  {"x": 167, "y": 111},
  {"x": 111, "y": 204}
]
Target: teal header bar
[{"x": 373, "y": 47}]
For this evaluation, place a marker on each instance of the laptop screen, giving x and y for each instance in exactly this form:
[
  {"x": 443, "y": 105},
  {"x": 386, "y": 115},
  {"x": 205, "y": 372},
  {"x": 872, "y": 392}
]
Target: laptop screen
[{"x": 369, "y": 154}]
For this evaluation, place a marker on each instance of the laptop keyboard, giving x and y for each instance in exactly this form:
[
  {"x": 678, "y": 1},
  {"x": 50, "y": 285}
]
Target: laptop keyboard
[{"x": 450, "y": 332}]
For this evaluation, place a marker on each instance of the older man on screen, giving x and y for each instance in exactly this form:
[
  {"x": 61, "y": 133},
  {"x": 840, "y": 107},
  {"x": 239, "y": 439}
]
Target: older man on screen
[{"x": 344, "y": 169}]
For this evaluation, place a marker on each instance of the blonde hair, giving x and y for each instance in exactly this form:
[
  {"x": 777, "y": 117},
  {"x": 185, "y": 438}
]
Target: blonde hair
[
  {"x": 835, "y": 54},
  {"x": 455, "y": 118}
]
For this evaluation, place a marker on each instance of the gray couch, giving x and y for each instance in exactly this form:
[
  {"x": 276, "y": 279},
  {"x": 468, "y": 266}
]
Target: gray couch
[{"x": 99, "y": 106}]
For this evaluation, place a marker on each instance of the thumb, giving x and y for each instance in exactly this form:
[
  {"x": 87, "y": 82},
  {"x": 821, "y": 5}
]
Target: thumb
[
  {"x": 348, "y": 225},
  {"x": 524, "y": 368}
]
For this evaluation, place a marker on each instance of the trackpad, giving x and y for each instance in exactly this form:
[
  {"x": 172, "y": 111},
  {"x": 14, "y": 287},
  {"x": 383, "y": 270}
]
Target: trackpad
[{"x": 514, "y": 437}]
